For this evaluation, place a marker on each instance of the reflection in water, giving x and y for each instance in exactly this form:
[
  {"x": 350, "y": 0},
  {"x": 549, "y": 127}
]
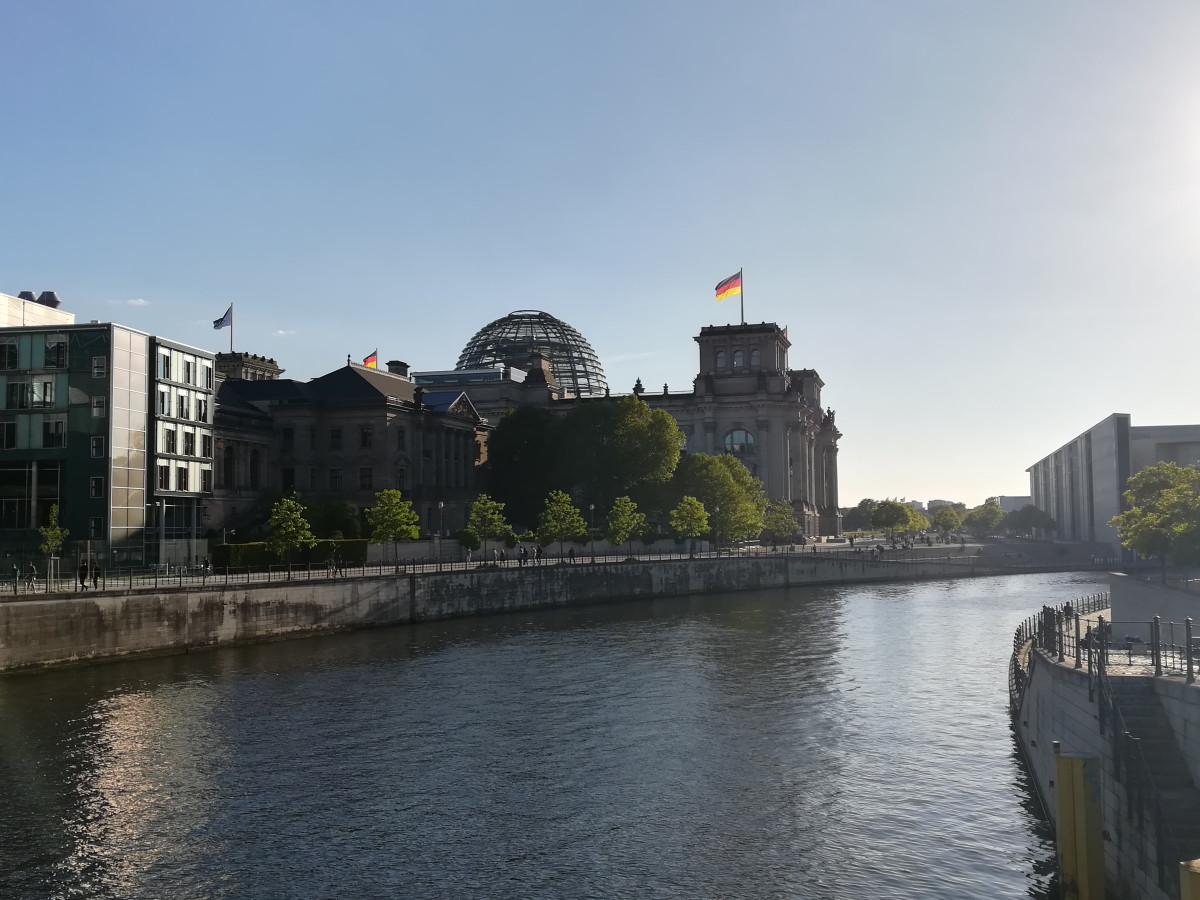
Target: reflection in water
[{"x": 811, "y": 743}]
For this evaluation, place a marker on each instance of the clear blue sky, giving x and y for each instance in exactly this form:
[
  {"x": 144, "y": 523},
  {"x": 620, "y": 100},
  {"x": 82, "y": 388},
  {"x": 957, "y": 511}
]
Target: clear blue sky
[{"x": 979, "y": 222}]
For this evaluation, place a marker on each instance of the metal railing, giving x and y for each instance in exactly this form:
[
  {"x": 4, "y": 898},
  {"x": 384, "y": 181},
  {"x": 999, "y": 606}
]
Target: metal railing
[{"x": 1170, "y": 650}]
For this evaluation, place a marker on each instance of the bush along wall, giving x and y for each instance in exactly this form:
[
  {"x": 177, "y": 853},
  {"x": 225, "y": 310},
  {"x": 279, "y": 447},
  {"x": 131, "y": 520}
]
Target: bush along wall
[{"x": 255, "y": 555}]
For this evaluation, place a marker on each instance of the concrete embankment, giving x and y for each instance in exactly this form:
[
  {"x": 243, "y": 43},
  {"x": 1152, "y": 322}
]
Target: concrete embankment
[{"x": 98, "y": 626}]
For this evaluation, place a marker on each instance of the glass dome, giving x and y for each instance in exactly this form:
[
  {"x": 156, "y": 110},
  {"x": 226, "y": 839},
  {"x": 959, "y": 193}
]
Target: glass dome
[{"x": 513, "y": 339}]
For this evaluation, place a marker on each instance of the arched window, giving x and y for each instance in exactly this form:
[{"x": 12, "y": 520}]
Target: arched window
[
  {"x": 228, "y": 469},
  {"x": 739, "y": 442},
  {"x": 755, "y": 359},
  {"x": 737, "y": 359},
  {"x": 720, "y": 360},
  {"x": 254, "y": 470}
]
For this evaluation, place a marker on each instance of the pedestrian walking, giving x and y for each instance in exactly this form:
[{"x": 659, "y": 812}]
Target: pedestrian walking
[
  {"x": 95, "y": 576},
  {"x": 16, "y": 577},
  {"x": 30, "y": 577},
  {"x": 83, "y": 576}
]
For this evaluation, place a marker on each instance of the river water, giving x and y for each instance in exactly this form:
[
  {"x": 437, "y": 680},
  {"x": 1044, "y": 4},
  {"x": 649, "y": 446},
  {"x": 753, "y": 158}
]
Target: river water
[{"x": 813, "y": 743}]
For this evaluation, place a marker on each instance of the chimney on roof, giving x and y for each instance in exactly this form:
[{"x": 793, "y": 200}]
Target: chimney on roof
[
  {"x": 397, "y": 368},
  {"x": 49, "y": 298},
  {"x": 27, "y": 295}
]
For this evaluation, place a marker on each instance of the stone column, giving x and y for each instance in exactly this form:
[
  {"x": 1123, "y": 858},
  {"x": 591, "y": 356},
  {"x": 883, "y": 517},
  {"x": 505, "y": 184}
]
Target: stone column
[{"x": 766, "y": 456}]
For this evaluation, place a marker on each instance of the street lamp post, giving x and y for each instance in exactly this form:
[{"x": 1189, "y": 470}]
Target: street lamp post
[
  {"x": 441, "y": 508},
  {"x": 592, "y": 529}
]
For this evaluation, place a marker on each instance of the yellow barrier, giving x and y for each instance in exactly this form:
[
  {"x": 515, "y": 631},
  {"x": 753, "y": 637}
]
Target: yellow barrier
[
  {"x": 1189, "y": 880},
  {"x": 1080, "y": 827}
]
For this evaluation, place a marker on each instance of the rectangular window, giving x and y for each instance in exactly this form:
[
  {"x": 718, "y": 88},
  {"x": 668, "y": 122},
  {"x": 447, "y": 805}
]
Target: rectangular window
[
  {"x": 206, "y": 446},
  {"x": 367, "y": 436},
  {"x": 8, "y": 435},
  {"x": 335, "y": 479},
  {"x": 164, "y": 403},
  {"x": 366, "y": 479},
  {"x": 97, "y": 407},
  {"x": 99, "y": 366},
  {"x": 43, "y": 392},
  {"x": 95, "y": 487},
  {"x": 189, "y": 444},
  {"x": 56, "y": 351},
  {"x": 97, "y": 447},
  {"x": 287, "y": 438},
  {"x": 288, "y": 480},
  {"x": 96, "y": 527},
  {"x": 201, "y": 409},
  {"x": 206, "y": 376},
  {"x": 400, "y": 438},
  {"x": 17, "y": 395},
  {"x": 164, "y": 365},
  {"x": 189, "y": 371},
  {"x": 164, "y": 478},
  {"x": 206, "y": 480},
  {"x": 182, "y": 406},
  {"x": 335, "y": 439},
  {"x": 169, "y": 441},
  {"x": 402, "y": 479},
  {"x": 181, "y": 478},
  {"x": 8, "y": 354},
  {"x": 54, "y": 431}
]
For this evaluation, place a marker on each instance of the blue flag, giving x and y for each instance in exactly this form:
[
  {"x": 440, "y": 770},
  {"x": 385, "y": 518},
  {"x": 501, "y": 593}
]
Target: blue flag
[{"x": 226, "y": 321}]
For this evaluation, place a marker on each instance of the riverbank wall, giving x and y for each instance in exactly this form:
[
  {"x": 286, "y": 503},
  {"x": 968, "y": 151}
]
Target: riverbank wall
[
  {"x": 92, "y": 627},
  {"x": 1139, "y": 730}
]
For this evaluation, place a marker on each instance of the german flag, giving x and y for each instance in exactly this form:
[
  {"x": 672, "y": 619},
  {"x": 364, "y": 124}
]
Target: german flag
[
  {"x": 730, "y": 287},
  {"x": 372, "y": 361}
]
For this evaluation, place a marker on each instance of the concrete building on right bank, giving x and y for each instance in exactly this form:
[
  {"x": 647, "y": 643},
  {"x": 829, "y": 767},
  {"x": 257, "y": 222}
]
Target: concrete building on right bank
[{"x": 1081, "y": 483}]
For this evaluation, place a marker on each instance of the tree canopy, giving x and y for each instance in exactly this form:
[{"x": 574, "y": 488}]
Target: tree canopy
[
  {"x": 1163, "y": 519},
  {"x": 984, "y": 519},
  {"x": 523, "y": 464},
  {"x": 288, "y": 528},
  {"x": 732, "y": 497},
  {"x": 53, "y": 534},
  {"x": 487, "y": 519},
  {"x": 946, "y": 520},
  {"x": 858, "y": 518},
  {"x": 891, "y": 516},
  {"x": 1029, "y": 518},
  {"x": 689, "y": 518},
  {"x": 560, "y": 520},
  {"x": 780, "y": 519},
  {"x": 624, "y": 521},
  {"x": 392, "y": 518}
]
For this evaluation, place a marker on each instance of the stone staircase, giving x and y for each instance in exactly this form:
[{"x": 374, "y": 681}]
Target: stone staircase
[{"x": 1172, "y": 781}]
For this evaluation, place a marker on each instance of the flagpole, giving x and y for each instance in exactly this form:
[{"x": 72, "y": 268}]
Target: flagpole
[
  {"x": 231, "y": 328},
  {"x": 742, "y": 295}
]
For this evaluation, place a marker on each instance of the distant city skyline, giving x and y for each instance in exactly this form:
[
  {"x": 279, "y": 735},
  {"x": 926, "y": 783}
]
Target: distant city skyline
[{"x": 980, "y": 225}]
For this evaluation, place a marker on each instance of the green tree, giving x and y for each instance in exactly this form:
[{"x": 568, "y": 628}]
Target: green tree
[
  {"x": 624, "y": 522},
  {"x": 946, "y": 520},
  {"x": 1163, "y": 519},
  {"x": 859, "y": 518},
  {"x": 610, "y": 447},
  {"x": 780, "y": 519},
  {"x": 891, "y": 516},
  {"x": 689, "y": 519},
  {"x": 53, "y": 537},
  {"x": 1028, "y": 519},
  {"x": 733, "y": 498},
  {"x": 525, "y": 461},
  {"x": 288, "y": 529},
  {"x": 916, "y": 520},
  {"x": 487, "y": 520},
  {"x": 560, "y": 521},
  {"x": 392, "y": 518},
  {"x": 984, "y": 519},
  {"x": 468, "y": 538}
]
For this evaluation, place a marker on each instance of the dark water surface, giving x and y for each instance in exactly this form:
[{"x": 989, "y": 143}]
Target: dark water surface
[{"x": 812, "y": 743}]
